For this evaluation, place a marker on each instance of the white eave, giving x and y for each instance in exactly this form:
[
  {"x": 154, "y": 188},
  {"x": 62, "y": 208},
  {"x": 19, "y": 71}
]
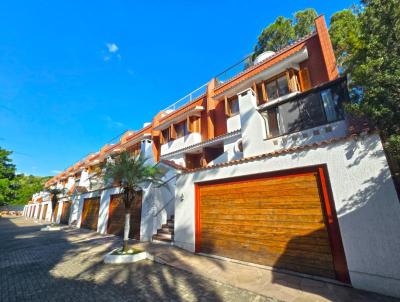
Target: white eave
[
  {"x": 208, "y": 143},
  {"x": 195, "y": 111}
]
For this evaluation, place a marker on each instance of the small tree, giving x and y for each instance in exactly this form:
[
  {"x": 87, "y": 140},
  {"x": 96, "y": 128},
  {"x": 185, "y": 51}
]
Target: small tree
[
  {"x": 54, "y": 199},
  {"x": 130, "y": 172},
  {"x": 285, "y": 30}
]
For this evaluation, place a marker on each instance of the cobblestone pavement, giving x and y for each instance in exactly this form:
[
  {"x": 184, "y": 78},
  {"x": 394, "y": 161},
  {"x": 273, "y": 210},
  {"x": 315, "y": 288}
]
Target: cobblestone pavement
[{"x": 67, "y": 266}]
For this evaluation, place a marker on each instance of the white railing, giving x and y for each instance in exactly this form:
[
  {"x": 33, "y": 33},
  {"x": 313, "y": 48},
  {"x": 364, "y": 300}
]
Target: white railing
[{"x": 187, "y": 98}]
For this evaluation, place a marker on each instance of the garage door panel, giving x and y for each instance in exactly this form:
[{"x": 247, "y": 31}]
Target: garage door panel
[
  {"x": 263, "y": 224},
  {"x": 302, "y": 201},
  {"x": 116, "y": 216},
  {"x": 262, "y": 192},
  {"x": 276, "y": 221},
  {"x": 260, "y": 255},
  {"x": 272, "y": 242},
  {"x": 264, "y": 211},
  {"x": 90, "y": 213},
  {"x": 269, "y": 238},
  {"x": 65, "y": 211},
  {"x": 283, "y": 182},
  {"x": 263, "y": 217},
  {"x": 44, "y": 212},
  {"x": 275, "y": 232}
]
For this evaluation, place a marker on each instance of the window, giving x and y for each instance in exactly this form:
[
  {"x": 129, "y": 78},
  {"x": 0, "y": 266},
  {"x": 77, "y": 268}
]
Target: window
[
  {"x": 181, "y": 129},
  {"x": 332, "y": 106},
  {"x": 277, "y": 87},
  {"x": 165, "y": 136},
  {"x": 308, "y": 111},
  {"x": 232, "y": 106},
  {"x": 273, "y": 126}
]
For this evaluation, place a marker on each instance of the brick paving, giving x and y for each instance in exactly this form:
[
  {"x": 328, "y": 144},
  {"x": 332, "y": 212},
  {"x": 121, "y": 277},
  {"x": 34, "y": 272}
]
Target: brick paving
[{"x": 67, "y": 266}]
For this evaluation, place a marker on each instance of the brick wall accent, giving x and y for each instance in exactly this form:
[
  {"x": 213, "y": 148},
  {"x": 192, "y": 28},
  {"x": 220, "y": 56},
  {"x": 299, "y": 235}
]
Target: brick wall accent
[{"x": 326, "y": 48}]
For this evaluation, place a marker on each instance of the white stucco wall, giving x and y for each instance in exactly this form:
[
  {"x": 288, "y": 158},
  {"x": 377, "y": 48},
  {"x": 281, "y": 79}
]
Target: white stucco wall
[
  {"x": 365, "y": 199},
  {"x": 158, "y": 204},
  {"x": 231, "y": 151},
  {"x": 179, "y": 143},
  {"x": 57, "y": 216},
  {"x": 74, "y": 211},
  {"x": 233, "y": 123},
  {"x": 48, "y": 212},
  {"x": 178, "y": 159}
]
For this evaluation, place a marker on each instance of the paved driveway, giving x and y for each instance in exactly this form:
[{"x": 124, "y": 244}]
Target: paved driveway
[{"x": 67, "y": 266}]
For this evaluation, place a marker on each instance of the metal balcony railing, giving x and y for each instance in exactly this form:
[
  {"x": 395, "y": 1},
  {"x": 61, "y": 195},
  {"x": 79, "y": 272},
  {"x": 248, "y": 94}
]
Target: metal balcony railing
[
  {"x": 234, "y": 70},
  {"x": 195, "y": 94}
]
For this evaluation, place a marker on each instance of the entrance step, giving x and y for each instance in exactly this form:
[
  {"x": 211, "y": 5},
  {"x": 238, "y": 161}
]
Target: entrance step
[{"x": 166, "y": 232}]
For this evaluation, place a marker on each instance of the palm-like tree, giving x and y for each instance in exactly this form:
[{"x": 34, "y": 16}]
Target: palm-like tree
[
  {"x": 54, "y": 199},
  {"x": 130, "y": 172}
]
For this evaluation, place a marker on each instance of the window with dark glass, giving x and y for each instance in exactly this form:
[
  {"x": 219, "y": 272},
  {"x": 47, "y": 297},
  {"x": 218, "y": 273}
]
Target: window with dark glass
[
  {"x": 277, "y": 87},
  {"x": 165, "y": 135},
  {"x": 232, "y": 105},
  {"x": 273, "y": 126},
  {"x": 309, "y": 111},
  {"x": 181, "y": 129}
]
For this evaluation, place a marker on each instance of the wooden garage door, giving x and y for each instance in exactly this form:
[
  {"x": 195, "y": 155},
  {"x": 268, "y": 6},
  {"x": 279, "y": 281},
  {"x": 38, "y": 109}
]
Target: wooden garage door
[
  {"x": 90, "y": 213},
  {"x": 277, "y": 221},
  {"x": 44, "y": 212},
  {"x": 39, "y": 212},
  {"x": 55, "y": 213},
  {"x": 116, "y": 216},
  {"x": 66, "y": 207}
]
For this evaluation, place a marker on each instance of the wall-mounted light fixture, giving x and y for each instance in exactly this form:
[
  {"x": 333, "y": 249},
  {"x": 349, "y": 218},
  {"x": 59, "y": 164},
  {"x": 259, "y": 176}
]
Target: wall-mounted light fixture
[{"x": 182, "y": 197}]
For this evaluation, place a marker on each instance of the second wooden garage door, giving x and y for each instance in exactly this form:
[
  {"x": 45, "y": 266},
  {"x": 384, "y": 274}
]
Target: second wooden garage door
[
  {"x": 44, "y": 213},
  {"x": 39, "y": 212},
  {"x": 116, "y": 216},
  {"x": 65, "y": 211},
  {"x": 276, "y": 221},
  {"x": 90, "y": 213}
]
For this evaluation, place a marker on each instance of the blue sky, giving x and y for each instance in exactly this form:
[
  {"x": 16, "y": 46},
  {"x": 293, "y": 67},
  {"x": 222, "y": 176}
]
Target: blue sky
[{"x": 75, "y": 74}]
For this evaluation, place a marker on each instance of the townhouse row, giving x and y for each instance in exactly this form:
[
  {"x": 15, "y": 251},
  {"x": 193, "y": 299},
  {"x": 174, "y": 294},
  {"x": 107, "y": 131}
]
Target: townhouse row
[{"x": 264, "y": 166}]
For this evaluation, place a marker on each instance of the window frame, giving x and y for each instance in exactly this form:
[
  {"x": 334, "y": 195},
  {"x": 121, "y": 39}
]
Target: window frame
[
  {"x": 298, "y": 99},
  {"x": 228, "y": 105}
]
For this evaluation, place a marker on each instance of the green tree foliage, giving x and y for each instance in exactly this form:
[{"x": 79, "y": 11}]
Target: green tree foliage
[
  {"x": 285, "y": 30},
  {"x": 16, "y": 189},
  {"x": 27, "y": 186},
  {"x": 345, "y": 33},
  {"x": 275, "y": 36},
  {"x": 304, "y": 22},
  {"x": 8, "y": 185},
  {"x": 374, "y": 66}
]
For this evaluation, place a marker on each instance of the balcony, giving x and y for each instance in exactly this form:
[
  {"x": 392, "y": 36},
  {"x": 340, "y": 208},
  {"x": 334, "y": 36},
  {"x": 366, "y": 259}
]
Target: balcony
[
  {"x": 180, "y": 143},
  {"x": 190, "y": 97},
  {"x": 300, "y": 119},
  {"x": 316, "y": 107}
]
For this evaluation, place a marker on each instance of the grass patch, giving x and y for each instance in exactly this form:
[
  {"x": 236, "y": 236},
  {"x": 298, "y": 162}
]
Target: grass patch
[{"x": 131, "y": 251}]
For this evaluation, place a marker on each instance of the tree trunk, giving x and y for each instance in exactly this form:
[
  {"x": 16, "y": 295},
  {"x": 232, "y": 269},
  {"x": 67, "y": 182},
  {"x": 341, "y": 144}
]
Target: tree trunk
[
  {"x": 126, "y": 230},
  {"x": 129, "y": 195}
]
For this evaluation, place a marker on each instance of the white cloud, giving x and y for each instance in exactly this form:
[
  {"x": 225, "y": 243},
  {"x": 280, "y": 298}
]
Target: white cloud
[
  {"x": 113, "y": 124},
  {"x": 112, "y": 47},
  {"x": 56, "y": 171}
]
